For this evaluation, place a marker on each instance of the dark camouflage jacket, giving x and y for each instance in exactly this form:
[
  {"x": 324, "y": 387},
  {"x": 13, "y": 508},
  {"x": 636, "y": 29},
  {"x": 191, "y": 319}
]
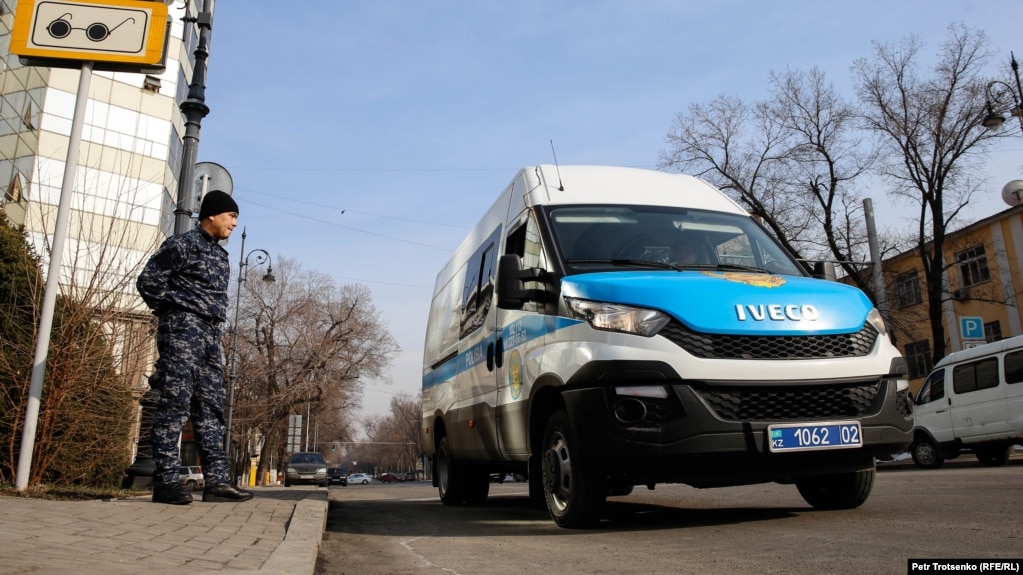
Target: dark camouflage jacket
[{"x": 189, "y": 272}]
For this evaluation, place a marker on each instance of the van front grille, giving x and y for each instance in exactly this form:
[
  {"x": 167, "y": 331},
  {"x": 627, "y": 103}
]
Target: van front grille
[
  {"x": 717, "y": 346},
  {"x": 790, "y": 403}
]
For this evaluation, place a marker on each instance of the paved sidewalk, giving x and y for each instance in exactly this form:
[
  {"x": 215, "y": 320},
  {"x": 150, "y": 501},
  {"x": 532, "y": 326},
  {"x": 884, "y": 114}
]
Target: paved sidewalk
[{"x": 276, "y": 533}]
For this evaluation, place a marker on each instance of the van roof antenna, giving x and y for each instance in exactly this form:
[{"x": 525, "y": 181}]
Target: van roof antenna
[{"x": 561, "y": 186}]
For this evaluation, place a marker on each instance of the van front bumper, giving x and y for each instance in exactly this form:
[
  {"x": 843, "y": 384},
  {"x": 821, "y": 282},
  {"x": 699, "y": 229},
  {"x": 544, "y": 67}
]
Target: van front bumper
[{"x": 715, "y": 432}]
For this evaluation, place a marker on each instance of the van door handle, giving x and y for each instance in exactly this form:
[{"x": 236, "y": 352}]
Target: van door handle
[
  {"x": 499, "y": 359},
  {"x": 490, "y": 356}
]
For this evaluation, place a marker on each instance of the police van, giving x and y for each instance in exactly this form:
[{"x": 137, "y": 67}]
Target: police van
[
  {"x": 972, "y": 401},
  {"x": 570, "y": 340}
]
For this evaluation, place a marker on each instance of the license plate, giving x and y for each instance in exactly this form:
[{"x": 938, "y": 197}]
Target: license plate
[{"x": 808, "y": 437}]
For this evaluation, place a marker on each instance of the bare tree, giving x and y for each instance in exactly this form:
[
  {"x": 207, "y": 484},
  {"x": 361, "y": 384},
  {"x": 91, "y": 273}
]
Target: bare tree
[
  {"x": 304, "y": 343},
  {"x": 99, "y": 351},
  {"x": 398, "y": 433},
  {"x": 929, "y": 128},
  {"x": 792, "y": 160}
]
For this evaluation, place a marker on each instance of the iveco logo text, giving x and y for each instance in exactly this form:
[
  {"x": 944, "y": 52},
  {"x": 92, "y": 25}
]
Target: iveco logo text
[{"x": 777, "y": 312}]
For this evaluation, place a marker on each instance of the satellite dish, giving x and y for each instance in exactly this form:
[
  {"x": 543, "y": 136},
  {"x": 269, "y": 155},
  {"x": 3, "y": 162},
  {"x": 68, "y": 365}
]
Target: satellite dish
[
  {"x": 211, "y": 176},
  {"x": 1012, "y": 193}
]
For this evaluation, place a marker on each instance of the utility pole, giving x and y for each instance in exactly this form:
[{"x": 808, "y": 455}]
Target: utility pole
[{"x": 194, "y": 109}]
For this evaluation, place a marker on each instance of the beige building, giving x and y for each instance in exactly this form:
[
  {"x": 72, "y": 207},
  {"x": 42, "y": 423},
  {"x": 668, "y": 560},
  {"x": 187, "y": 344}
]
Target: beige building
[
  {"x": 983, "y": 283},
  {"x": 126, "y": 181}
]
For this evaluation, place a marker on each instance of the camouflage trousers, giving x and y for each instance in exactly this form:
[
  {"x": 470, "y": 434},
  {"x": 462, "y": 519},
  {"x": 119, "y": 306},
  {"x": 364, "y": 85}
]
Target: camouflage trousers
[{"x": 189, "y": 377}]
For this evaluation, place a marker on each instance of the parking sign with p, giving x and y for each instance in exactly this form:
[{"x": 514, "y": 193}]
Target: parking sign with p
[{"x": 971, "y": 328}]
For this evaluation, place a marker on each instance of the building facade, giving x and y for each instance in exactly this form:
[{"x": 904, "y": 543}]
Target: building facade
[
  {"x": 126, "y": 181},
  {"x": 981, "y": 291}
]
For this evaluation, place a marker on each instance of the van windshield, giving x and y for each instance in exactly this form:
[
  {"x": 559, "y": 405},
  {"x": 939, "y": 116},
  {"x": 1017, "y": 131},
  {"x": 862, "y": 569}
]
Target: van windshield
[{"x": 611, "y": 237}]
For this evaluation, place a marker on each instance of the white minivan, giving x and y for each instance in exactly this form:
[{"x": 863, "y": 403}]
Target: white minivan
[
  {"x": 602, "y": 328},
  {"x": 972, "y": 401}
]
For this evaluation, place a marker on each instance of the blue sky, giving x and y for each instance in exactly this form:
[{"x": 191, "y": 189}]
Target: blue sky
[{"x": 411, "y": 116}]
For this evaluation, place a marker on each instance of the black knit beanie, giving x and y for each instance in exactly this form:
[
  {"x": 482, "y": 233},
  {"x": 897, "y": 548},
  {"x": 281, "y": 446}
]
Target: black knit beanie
[{"x": 216, "y": 202}]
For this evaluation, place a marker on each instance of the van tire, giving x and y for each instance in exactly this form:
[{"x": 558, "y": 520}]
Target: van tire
[
  {"x": 449, "y": 475},
  {"x": 926, "y": 454},
  {"x": 575, "y": 490},
  {"x": 996, "y": 456},
  {"x": 457, "y": 482},
  {"x": 839, "y": 491}
]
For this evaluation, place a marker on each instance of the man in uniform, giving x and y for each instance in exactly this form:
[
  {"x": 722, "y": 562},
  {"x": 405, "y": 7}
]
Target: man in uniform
[{"x": 185, "y": 284}]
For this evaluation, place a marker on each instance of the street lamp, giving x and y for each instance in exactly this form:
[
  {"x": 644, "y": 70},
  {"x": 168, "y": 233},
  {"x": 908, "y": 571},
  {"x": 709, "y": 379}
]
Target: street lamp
[
  {"x": 261, "y": 256},
  {"x": 995, "y": 119}
]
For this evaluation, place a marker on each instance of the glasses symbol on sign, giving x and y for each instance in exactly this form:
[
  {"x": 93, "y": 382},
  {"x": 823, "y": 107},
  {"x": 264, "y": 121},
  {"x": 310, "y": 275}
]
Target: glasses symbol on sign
[{"x": 97, "y": 32}]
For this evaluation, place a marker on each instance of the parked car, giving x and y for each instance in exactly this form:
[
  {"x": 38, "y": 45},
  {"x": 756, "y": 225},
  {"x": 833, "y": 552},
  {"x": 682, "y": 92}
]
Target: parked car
[
  {"x": 337, "y": 475},
  {"x": 359, "y": 478},
  {"x": 191, "y": 477},
  {"x": 390, "y": 478},
  {"x": 306, "y": 467},
  {"x": 410, "y": 476}
]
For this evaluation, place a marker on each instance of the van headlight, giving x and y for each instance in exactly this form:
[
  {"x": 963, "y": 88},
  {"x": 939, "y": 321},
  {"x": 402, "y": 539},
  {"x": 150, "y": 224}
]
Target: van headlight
[
  {"x": 617, "y": 317},
  {"x": 874, "y": 318}
]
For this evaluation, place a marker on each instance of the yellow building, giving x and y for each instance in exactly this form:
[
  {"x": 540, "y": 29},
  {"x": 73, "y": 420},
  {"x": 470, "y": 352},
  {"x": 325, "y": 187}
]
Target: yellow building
[{"x": 982, "y": 284}]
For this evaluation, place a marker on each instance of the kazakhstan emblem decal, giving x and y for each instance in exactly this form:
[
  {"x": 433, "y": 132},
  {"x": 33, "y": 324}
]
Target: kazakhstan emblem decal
[
  {"x": 515, "y": 374},
  {"x": 759, "y": 280}
]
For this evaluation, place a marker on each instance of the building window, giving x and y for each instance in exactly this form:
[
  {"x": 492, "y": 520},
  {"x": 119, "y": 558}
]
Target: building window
[
  {"x": 918, "y": 356},
  {"x": 992, "y": 332},
  {"x": 28, "y": 116},
  {"x": 973, "y": 266},
  {"x": 14, "y": 193},
  {"x": 907, "y": 289},
  {"x": 176, "y": 148}
]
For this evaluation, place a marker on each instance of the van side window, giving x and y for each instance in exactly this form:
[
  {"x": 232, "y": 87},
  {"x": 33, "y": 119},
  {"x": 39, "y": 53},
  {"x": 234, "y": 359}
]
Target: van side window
[
  {"x": 933, "y": 389},
  {"x": 975, "y": 375},
  {"x": 478, "y": 288},
  {"x": 524, "y": 242},
  {"x": 1014, "y": 367}
]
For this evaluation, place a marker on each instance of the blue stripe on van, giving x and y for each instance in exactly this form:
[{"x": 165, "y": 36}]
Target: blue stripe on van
[{"x": 516, "y": 334}]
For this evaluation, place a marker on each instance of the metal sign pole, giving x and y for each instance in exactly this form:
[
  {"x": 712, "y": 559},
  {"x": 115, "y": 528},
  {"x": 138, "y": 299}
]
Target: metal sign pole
[{"x": 35, "y": 392}]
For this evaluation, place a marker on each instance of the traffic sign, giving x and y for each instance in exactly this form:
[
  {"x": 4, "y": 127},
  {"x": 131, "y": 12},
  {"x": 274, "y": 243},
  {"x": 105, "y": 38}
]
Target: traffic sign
[
  {"x": 971, "y": 327},
  {"x": 122, "y": 31}
]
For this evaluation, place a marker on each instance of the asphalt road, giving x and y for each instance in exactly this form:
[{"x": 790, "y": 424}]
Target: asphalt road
[{"x": 962, "y": 510}]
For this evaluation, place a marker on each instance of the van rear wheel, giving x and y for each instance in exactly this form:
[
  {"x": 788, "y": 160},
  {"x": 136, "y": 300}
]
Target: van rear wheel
[
  {"x": 926, "y": 455},
  {"x": 993, "y": 456},
  {"x": 457, "y": 482},
  {"x": 839, "y": 491},
  {"x": 575, "y": 490}
]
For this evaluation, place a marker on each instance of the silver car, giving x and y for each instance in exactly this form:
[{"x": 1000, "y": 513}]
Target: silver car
[
  {"x": 191, "y": 477},
  {"x": 306, "y": 467}
]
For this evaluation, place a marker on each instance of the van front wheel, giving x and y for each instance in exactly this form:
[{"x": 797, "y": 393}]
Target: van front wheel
[
  {"x": 575, "y": 491},
  {"x": 839, "y": 491},
  {"x": 926, "y": 455}
]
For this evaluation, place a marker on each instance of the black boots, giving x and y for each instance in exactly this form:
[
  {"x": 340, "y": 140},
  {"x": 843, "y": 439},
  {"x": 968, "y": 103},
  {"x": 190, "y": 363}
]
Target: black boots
[
  {"x": 170, "y": 493},
  {"x": 225, "y": 492}
]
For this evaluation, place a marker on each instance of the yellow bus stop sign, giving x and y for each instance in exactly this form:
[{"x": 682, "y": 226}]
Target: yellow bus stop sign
[{"x": 121, "y": 31}]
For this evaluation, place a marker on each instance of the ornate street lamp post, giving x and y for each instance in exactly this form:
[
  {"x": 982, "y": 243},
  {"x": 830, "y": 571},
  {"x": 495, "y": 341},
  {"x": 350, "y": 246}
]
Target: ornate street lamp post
[
  {"x": 998, "y": 99},
  {"x": 260, "y": 256}
]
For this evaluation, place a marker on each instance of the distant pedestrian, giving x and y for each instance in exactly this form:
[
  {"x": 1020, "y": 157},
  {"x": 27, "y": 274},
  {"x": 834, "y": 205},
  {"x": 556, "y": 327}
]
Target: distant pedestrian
[{"x": 185, "y": 284}]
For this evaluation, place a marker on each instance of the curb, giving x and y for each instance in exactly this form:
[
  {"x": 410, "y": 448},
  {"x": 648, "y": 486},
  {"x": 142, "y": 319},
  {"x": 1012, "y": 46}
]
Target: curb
[{"x": 297, "y": 554}]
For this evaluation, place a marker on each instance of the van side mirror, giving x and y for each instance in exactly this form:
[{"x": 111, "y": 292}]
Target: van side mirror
[
  {"x": 510, "y": 279},
  {"x": 824, "y": 271}
]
